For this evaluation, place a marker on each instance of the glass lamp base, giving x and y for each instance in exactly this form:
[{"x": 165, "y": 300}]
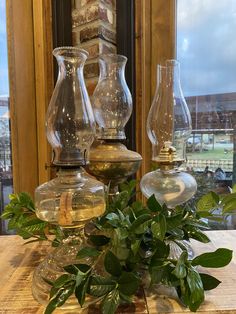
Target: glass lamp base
[
  {"x": 170, "y": 187},
  {"x": 51, "y": 268}
]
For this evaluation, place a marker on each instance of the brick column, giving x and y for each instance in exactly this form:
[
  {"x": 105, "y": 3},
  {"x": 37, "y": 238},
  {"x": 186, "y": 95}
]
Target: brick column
[{"x": 94, "y": 29}]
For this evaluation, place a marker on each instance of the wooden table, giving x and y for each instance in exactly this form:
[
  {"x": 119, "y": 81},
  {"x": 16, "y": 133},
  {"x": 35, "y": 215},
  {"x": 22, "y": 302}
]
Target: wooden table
[{"x": 17, "y": 262}]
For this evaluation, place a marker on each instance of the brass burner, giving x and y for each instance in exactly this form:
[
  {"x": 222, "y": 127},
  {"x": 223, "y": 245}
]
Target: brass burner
[{"x": 112, "y": 162}]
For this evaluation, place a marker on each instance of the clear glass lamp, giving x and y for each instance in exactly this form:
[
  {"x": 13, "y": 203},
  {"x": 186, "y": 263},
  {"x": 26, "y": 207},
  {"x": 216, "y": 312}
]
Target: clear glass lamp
[
  {"x": 73, "y": 198},
  {"x": 168, "y": 128}
]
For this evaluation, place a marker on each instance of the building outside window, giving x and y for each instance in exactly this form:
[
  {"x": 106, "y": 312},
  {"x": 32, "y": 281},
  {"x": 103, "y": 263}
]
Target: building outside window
[{"x": 206, "y": 46}]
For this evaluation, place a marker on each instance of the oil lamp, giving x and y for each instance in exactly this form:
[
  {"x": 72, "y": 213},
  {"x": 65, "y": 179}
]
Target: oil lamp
[
  {"x": 110, "y": 160},
  {"x": 168, "y": 128},
  {"x": 73, "y": 198}
]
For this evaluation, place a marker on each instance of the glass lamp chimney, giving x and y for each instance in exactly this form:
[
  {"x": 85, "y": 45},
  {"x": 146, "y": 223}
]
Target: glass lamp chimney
[
  {"x": 169, "y": 118},
  {"x": 70, "y": 123},
  {"x": 112, "y": 99}
]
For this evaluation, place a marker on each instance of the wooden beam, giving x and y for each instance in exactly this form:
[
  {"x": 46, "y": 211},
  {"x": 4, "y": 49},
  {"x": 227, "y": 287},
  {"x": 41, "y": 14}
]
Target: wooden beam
[
  {"x": 143, "y": 46},
  {"x": 163, "y": 33},
  {"x": 42, "y": 16},
  {"x": 22, "y": 94}
]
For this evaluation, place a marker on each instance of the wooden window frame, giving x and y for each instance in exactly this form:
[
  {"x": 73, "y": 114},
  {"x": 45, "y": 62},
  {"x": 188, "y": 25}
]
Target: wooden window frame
[{"x": 31, "y": 83}]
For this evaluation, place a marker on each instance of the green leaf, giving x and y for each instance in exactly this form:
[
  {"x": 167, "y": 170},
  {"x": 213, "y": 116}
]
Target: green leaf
[
  {"x": 88, "y": 252},
  {"x": 75, "y": 268},
  {"x": 208, "y": 202},
  {"x": 139, "y": 221},
  {"x": 229, "y": 203},
  {"x": 54, "y": 291},
  {"x": 125, "y": 298},
  {"x": 197, "y": 234},
  {"x": 112, "y": 216},
  {"x": 209, "y": 282},
  {"x": 123, "y": 233},
  {"x": 112, "y": 264},
  {"x": 135, "y": 246},
  {"x": 162, "y": 251},
  {"x": 59, "y": 299},
  {"x": 26, "y": 201},
  {"x": 197, "y": 223},
  {"x": 71, "y": 269},
  {"x": 84, "y": 268},
  {"x": 99, "y": 240},
  {"x": 141, "y": 229},
  {"x": 81, "y": 289},
  {"x": 157, "y": 273},
  {"x": 174, "y": 221},
  {"x": 220, "y": 258},
  {"x": 7, "y": 214},
  {"x": 113, "y": 219},
  {"x": 137, "y": 206},
  {"x": 120, "y": 201},
  {"x": 128, "y": 283},
  {"x": 180, "y": 268},
  {"x": 196, "y": 290},
  {"x": 59, "y": 282},
  {"x": 110, "y": 302},
  {"x": 99, "y": 286},
  {"x": 158, "y": 227},
  {"x": 176, "y": 233},
  {"x": 153, "y": 204},
  {"x": 204, "y": 214},
  {"x": 128, "y": 186}
]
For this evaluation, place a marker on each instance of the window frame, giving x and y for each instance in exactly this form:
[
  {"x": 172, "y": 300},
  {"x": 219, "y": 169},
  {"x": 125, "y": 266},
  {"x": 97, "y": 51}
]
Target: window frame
[{"x": 29, "y": 31}]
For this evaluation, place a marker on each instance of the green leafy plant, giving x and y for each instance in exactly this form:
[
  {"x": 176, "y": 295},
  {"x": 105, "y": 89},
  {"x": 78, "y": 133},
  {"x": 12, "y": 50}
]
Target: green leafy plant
[
  {"x": 20, "y": 213},
  {"x": 131, "y": 241}
]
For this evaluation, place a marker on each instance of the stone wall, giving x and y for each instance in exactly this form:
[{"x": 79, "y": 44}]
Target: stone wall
[{"x": 94, "y": 29}]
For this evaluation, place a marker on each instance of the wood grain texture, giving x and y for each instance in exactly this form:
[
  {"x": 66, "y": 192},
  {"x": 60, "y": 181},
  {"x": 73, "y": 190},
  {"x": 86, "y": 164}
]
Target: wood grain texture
[
  {"x": 143, "y": 44},
  {"x": 18, "y": 262},
  {"x": 44, "y": 83},
  {"x": 29, "y": 27},
  {"x": 22, "y": 94}
]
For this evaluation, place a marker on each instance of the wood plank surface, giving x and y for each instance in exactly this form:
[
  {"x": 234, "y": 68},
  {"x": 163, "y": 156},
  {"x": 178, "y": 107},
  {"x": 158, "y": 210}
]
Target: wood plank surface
[{"x": 18, "y": 262}]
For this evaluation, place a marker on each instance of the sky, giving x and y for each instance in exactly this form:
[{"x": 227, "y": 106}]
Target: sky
[
  {"x": 4, "y": 89},
  {"x": 206, "y": 46}
]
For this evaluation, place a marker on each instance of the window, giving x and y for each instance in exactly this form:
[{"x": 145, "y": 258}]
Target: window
[
  {"x": 206, "y": 46},
  {"x": 6, "y": 180},
  {"x": 29, "y": 47}
]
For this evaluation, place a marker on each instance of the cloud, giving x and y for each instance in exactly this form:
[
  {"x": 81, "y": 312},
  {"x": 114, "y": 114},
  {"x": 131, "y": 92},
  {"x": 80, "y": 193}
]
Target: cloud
[
  {"x": 2, "y": 17},
  {"x": 208, "y": 60}
]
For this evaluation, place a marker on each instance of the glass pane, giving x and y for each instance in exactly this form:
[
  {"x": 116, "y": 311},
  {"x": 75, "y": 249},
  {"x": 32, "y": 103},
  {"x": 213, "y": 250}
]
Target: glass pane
[
  {"x": 206, "y": 49},
  {"x": 6, "y": 182}
]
